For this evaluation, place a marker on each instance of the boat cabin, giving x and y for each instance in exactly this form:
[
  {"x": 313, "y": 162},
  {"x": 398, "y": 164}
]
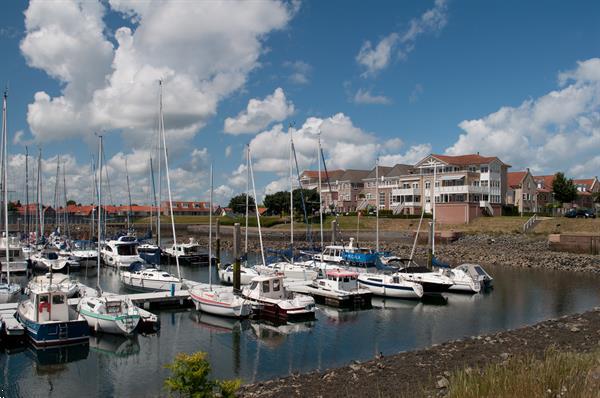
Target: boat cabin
[
  {"x": 50, "y": 305},
  {"x": 268, "y": 287},
  {"x": 122, "y": 248},
  {"x": 340, "y": 253},
  {"x": 340, "y": 280}
]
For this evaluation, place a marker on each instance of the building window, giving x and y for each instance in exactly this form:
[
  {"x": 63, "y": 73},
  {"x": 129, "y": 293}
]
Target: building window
[
  {"x": 381, "y": 198},
  {"x": 484, "y": 169},
  {"x": 427, "y": 184}
]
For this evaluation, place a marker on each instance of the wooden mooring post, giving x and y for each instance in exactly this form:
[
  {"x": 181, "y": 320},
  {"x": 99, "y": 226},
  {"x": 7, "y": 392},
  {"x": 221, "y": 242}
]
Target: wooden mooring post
[
  {"x": 237, "y": 257},
  {"x": 333, "y": 232}
]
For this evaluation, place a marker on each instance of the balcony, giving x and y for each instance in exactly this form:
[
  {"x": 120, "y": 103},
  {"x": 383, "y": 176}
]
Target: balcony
[
  {"x": 470, "y": 189},
  {"x": 406, "y": 192}
]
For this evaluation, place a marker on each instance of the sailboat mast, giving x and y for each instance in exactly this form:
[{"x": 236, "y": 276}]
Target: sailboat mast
[
  {"x": 433, "y": 212},
  {"x": 247, "y": 200},
  {"x": 99, "y": 210},
  {"x": 164, "y": 141},
  {"x": 159, "y": 209},
  {"x": 27, "y": 193},
  {"x": 56, "y": 214},
  {"x": 210, "y": 229},
  {"x": 291, "y": 191},
  {"x": 66, "y": 215},
  {"x": 5, "y": 183},
  {"x": 320, "y": 196},
  {"x": 40, "y": 194},
  {"x": 129, "y": 196},
  {"x": 153, "y": 195},
  {"x": 377, "y": 204},
  {"x": 262, "y": 250}
]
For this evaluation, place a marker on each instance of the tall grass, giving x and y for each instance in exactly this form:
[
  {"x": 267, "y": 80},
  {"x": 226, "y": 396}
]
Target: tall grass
[{"x": 558, "y": 374}]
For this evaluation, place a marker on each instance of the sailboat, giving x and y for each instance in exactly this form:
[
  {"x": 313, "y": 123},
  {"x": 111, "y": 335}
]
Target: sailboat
[
  {"x": 108, "y": 314},
  {"x": 222, "y": 300},
  {"x": 9, "y": 292},
  {"x": 154, "y": 279}
]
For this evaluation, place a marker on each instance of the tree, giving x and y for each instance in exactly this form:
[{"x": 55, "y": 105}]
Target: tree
[
  {"x": 278, "y": 202},
  {"x": 563, "y": 188},
  {"x": 189, "y": 378},
  {"x": 71, "y": 202},
  {"x": 311, "y": 200},
  {"x": 238, "y": 203}
]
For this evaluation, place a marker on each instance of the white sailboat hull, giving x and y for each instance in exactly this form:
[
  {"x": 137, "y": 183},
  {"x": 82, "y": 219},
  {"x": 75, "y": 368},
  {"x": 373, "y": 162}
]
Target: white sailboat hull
[
  {"x": 383, "y": 288},
  {"x": 124, "y": 326},
  {"x": 134, "y": 282}
]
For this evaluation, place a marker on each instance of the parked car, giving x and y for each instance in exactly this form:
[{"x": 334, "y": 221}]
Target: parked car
[{"x": 580, "y": 213}]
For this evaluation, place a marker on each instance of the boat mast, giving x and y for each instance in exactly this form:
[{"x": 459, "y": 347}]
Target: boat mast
[
  {"x": 99, "y": 213},
  {"x": 433, "y": 212},
  {"x": 164, "y": 141},
  {"x": 56, "y": 214},
  {"x": 129, "y": 196},
  {"x": 262, "y": 250},
  {"x": 159, "y": 208},
  {"x": 377, "y": 204},
  {"x": 320, "y": 196},
  {"x": 40, "y": 195},
  {"x": 291, "y": 190},
  {"x": 153, "y": 196},
  {"x": 4, "y": 183},
  {"x": 247, "y": 200},
  {"x": 27, "y": 193},
  {"x": 66, "y": 215},
  {"x": 210, "y": 229}
]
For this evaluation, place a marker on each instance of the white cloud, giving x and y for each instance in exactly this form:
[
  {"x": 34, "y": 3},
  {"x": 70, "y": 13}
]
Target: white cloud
[
  {"x": 115, "y": 87},
  {"x": 557, "y": 131},
  {"x": 376, "y": 58},
  {"x": 411, "y": 156},
  {"x": 228, "y": 151},
  {"x": 260, "y": 113},
  {"x": 222, "y": 194},
  {"x": 365, "y": 97},
  {"x": 300, "y": 71},
  {"x": 19, "y": 139}
]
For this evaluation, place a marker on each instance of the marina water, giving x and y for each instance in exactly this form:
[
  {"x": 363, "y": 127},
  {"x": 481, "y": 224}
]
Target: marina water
[{"x": 252, "y": 351}]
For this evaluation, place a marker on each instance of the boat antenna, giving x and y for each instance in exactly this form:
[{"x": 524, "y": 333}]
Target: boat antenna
[
  {"x": 210, "y": 228},
  {"x": 262, "y": 249}
]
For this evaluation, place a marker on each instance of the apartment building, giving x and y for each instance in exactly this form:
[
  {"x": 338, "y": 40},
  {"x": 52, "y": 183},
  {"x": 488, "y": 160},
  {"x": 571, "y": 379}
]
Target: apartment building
[
  {"x": 464, "y": 187},
  {"x": 183, "y": 208},
  {"x": 521, "y": 191}
]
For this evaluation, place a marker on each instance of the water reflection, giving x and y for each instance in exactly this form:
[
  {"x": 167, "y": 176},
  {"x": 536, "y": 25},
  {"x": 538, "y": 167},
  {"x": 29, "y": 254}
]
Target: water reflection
[
  {"x": 256, "y": 350},
  {"x": 115, "y": 345}
]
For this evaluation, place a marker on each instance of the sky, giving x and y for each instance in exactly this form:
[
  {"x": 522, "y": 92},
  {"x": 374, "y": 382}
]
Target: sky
[{"x": 383, "y": 80}]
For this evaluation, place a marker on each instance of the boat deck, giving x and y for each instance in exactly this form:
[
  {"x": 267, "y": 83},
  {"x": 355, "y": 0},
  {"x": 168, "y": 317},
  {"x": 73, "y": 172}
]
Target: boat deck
[{"x": 331, "y": 298}]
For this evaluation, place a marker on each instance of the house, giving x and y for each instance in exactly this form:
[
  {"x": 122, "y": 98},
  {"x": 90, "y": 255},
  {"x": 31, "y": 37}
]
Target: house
[
  {"x": 309, "y": 179},
  {"x": 586, "y": 188},
  {"x": 521, "y": 191},
  {"x": 183, "y": 208},
  {"x": 465, "y": 187},
  {"x": 348, "y": 187},
  {"x": 545, "y": 196}
]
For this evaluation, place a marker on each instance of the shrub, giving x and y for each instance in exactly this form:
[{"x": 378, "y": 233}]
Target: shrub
[{"x": 190, "y": 378}]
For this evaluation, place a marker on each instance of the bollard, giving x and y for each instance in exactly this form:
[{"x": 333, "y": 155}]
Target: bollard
[
  {"x": 237, "y": 260},
  {"x": 333, "y": 232}
]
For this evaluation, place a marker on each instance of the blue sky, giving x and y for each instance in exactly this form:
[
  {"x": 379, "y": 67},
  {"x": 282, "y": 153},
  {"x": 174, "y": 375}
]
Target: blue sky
[{"x": 519, "y": 80}]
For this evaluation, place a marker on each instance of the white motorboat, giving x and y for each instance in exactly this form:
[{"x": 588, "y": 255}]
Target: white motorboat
[
  {"x": 432, "y": 281},
  {"x": 11, "y": 244},
  {"x": 271, "y": 300},
  {"x": 220, "y": 301},
  {"x": 150, "y": 280},
  {"x": 246, "y": 275},
  {"x": 189, "y": 253},
  {"x": 390, "y": 285},
  {"x": 334, "y": 254},
  {"x": 476, "y": 273},
  {"x": 109, "y": 314},
  {"x": 339, "y": 288},
  {"x": 47, "y": 260},
  {"x": 289, "y": 270},
  {"x": 84, "y": 253},
  {"x": 121, "y": 252},
  {"x": 61, "y": 281},
  {"x": 48, "y": 319}
]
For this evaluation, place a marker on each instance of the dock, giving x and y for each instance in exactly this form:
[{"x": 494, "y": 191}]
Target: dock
[{"x": 329, "y": 297}]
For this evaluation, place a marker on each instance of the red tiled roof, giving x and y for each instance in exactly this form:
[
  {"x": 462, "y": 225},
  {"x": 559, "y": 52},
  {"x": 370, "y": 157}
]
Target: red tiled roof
[
  {"x": 515, "y": 178},
  {"x": 315, "y": 173},
  {"x": 584, "y": 181},
  {"x": 544, "y": 190},
  {"x": 545, "y": 180},
  {"x": 465, "y": 160}
]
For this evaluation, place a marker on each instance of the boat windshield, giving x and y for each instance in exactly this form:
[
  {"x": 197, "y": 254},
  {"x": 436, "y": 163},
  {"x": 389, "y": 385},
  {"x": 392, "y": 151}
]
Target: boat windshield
[
  {"x": 126, "y": 250},
  {"x": 52, "y": 256}
]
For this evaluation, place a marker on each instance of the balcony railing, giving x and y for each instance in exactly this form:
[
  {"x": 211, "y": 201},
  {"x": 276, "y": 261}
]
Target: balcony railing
[{"x": 406, "y": 192}]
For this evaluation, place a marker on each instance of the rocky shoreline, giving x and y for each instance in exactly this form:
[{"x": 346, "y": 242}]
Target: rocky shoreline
[
  {"x": 521, "y": 251},
  {"x": 426, "y": 372}
]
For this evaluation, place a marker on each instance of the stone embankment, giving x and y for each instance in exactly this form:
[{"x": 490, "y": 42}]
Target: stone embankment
[
  {"x": 427, "y": 372},
  {"x": 522, "y": 251}
]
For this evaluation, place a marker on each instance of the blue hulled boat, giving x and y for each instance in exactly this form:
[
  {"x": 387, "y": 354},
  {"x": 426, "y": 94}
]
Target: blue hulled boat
[{"x": 48, "y": 319}]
